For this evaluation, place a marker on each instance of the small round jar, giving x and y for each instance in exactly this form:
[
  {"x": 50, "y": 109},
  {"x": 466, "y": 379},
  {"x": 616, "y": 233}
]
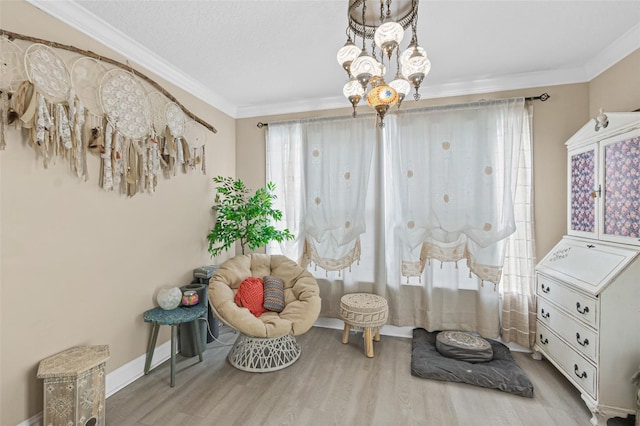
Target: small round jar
[{"x": 189, "y": 298}]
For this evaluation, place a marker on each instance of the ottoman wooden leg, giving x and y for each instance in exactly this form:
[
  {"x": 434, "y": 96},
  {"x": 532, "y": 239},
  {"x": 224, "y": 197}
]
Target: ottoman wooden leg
[
  {"x": 377, "y": 335},
  {"x": 345, "y": 334},
  {"x": 368, "y": 342}
]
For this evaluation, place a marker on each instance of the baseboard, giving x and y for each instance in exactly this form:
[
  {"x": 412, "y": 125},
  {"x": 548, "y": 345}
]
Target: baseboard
[
  {"x": 386, "y": 330},
  {"x": 395, "y": 331},
  {"x": 133, "y": 370},
  {"x": 33, "y": 421},
  {"x": 120, "y": 377}
]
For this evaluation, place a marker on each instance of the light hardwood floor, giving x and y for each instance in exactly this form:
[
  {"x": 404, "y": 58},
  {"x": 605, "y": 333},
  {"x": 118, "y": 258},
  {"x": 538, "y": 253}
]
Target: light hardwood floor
[{"x": 335, "y": 384}]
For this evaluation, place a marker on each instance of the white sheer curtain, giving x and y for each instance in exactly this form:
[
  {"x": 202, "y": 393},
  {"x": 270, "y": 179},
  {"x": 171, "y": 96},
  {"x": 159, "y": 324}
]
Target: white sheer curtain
[
  {"x": 451, "y": 174},
  {"x": 322, "y": 168},
  {"x": 427, "y": 223},
  {"x": 451, "y": 199},
  {"x": 518, "y": 278}
]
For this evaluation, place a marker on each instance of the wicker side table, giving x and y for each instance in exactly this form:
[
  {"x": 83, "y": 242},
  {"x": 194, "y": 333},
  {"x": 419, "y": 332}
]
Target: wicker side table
[
  {"x": 368, "y": 311},
  {"x": 74, "y": 389}
]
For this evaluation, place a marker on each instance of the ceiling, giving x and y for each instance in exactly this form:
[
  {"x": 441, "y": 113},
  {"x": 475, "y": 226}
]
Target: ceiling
[{"x": 251, "y": 58}]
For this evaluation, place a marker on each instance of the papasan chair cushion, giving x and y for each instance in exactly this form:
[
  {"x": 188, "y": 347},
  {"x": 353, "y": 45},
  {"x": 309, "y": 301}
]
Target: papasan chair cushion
[
  {"x": 301, "y": 292},
  {"x": 266, "y": 342}
]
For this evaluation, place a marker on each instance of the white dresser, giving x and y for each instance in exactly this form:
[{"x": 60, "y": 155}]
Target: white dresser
[
  {"x": 588, "y": 285},
  {"x": 588, "y": 322}
]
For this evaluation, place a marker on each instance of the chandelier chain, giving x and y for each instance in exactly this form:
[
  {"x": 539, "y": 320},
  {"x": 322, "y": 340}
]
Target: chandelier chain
[
  {"x": 364, "y": 23},
  {"x": 373, "y": 49},
  {"x": 414, "y": 24}
]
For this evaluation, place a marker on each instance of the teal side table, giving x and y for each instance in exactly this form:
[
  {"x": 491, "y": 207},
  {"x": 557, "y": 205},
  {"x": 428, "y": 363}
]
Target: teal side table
[{"x": 174, "y": 317}]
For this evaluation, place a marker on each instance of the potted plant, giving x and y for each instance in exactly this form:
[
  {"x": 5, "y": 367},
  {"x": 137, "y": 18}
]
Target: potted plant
[{"x": 243, "y": 217}]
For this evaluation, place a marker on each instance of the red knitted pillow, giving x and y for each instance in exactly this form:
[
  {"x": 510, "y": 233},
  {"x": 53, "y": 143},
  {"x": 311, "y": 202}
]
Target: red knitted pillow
[{"x": 251, "y": 295}]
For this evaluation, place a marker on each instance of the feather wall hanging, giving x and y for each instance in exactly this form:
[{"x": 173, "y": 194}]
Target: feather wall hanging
[{"x": 86, "y": 74}]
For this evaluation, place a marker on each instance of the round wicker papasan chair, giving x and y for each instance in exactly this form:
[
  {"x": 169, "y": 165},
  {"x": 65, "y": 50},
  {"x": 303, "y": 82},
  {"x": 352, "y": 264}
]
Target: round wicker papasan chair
[{"x": 265, "y": 343}]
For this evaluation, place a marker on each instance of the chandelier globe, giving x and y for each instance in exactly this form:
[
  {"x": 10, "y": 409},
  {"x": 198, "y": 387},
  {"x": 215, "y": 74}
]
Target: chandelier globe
[
  {"x": 353, "y": 91},
  {"x": 388, "y": 36},
  {"x": 401, "y": 85},
  {"x": 347, "y": 54},
  {"x": 381, "y": 97},
  {"x": 364, "y": 67}
]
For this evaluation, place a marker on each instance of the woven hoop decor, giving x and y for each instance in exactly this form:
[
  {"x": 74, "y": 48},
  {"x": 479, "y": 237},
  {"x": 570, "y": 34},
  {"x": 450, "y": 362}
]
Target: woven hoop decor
[{"x": 262, "y": 355}]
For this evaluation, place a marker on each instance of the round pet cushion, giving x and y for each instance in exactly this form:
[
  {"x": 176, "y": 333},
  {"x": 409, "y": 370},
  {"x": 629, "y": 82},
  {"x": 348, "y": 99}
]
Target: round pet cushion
[{"x": 463, "y": 346}]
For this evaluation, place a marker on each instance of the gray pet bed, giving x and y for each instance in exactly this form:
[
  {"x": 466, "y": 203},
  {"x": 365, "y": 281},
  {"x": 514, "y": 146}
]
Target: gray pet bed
[{"x": 500, "y": 373}]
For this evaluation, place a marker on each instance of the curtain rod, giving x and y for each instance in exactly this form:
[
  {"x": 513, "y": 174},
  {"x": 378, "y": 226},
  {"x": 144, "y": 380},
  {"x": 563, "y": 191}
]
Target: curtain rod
[{"x": 544, "y": 97}]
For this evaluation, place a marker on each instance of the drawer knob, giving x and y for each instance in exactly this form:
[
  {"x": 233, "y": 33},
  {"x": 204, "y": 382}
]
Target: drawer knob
[
  {"x": 543, "y": 340},
  {"x": 544, "y": 314},
  {"x": 582, "y": 375},
  {"x": 585, "y": 310},
  {"x": 546, "y": 289},
  {"x": 585, "y": 342}
]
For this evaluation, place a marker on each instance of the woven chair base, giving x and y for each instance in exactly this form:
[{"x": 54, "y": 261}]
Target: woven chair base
[{"x": 262, "y": 355}]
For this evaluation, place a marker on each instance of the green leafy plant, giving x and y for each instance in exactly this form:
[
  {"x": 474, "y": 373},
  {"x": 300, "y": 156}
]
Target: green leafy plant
[{"x": 243, "y": 217}]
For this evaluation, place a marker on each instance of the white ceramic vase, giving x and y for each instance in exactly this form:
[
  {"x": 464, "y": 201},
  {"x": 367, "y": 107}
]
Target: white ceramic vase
[{"x": 169, "y": 298}]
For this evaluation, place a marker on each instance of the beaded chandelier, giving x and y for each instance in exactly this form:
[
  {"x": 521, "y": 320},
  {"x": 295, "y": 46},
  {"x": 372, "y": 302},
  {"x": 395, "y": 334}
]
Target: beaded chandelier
[{"x": 367, "y": 73}]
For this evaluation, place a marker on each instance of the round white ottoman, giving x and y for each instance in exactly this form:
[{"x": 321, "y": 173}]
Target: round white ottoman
[{"x": 367, "y": 311}]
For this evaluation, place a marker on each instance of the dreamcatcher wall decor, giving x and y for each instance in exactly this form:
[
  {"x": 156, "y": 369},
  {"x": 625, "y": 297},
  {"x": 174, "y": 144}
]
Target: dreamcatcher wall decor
[
  {"x": 158, "y": 102},
  {"x": 11, "y": 75},
  {"x": 57, "y": 110},
  {"x": 188, "y": 139},
  {"x": 97, "y": 105},
  {"x": 174, "y": 139},
  {"x": 86, "y": 74},
  {"x": 196, "y": 135},
  {"x": 125, "y": 103}
]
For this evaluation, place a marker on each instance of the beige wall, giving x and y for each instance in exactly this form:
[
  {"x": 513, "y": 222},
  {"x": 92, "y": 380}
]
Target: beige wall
[
  {"x": 618, "y": 88},
  {"x": 79, "y": 265}
]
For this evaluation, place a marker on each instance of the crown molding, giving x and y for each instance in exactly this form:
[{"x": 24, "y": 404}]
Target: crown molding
[
  {"x": 490, "y": 85},
  {"x": 314, "y": 104},
  {"x": 79, "y": 18},
  {"x": 70, "y": 13},
  {"x": 614, "y": 53}
]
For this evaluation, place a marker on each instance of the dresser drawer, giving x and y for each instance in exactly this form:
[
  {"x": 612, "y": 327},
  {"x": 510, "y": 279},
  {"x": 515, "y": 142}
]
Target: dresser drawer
[
  {"x": 577, "y": 369},
  {"x": 578, "y": 305},
  {"x": 577, "y": 334}
]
